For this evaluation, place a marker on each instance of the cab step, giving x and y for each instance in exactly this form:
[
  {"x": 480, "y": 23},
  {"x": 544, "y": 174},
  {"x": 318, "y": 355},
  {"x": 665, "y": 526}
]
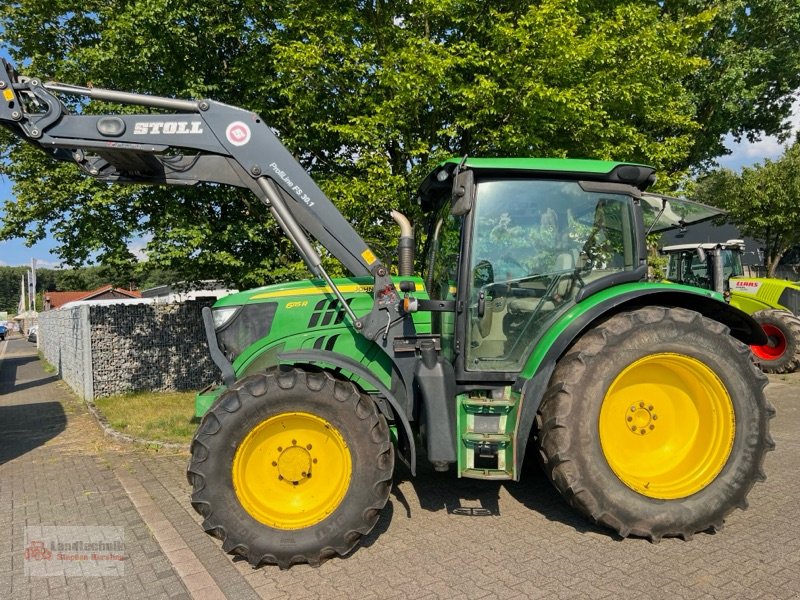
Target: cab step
[
  {"x": 485, "y": 474},
  {"x": 486, "y": 426}
]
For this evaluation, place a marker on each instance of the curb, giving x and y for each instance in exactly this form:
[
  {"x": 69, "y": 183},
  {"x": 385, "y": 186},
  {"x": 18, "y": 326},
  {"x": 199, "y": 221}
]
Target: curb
[
  {"x": 185, "y": 563},
  {"x": 109, "y": 431}
]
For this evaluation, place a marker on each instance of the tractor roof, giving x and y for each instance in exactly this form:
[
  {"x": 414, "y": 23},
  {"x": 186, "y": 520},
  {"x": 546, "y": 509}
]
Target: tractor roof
[
  {"x": 578, "y": 166},
  {"x": 439, "y": 181},
  {"x": 729, "y": 245}
]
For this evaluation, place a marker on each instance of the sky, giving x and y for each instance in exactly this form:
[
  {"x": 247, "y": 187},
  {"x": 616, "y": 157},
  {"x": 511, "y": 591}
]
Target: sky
[{"x": 15, "y": 252}]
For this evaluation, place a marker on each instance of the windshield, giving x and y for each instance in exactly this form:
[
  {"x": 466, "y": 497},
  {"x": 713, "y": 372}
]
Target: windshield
[
  {"x": 534, "y": 245},
  {"x": 677, "y": 212},
  {"x": 731, "y": 264},
  {"x": 686, "y": 267}
]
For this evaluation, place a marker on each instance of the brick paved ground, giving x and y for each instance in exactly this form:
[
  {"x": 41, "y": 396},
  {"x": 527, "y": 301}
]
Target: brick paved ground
[
  {"x": 53, "y": 471},
  {"x": 439, "y": 537}
]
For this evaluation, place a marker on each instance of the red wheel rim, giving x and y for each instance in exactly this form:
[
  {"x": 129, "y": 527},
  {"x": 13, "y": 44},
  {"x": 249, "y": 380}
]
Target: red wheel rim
[{"x": 775, "y": 346}]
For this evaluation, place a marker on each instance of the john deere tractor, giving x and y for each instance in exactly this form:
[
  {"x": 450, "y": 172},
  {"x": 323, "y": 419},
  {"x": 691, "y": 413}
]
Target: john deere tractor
[
  {"x": 773, "y": 303},
  {"x": 530, "y": 326}
]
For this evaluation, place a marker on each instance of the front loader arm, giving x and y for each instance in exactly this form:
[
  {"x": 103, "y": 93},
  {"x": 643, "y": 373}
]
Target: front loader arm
[{"x": 197, "y": 141}]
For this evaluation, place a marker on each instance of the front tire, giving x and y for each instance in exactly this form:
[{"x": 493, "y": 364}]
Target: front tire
[
  {"x": 781, "y": 353},
  {"x": 655, "y": 424},
  {"x": 291, "y": 467}
]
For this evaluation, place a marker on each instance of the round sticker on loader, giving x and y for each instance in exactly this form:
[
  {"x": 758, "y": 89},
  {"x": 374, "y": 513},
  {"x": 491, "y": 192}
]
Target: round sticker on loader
[{"x": 238, "y": 133}]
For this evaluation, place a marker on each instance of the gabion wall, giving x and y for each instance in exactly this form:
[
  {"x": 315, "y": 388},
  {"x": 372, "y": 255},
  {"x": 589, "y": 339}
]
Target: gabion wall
[
  {"x": 117, "y": 348},
  {"x": 67, "y": 346}
]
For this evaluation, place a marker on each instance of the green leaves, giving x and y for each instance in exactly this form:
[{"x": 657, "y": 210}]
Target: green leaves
[{"x": 762, "y": 201}]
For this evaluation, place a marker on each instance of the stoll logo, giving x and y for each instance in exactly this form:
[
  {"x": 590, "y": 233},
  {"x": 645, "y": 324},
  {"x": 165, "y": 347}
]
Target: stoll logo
[{"x": 168, "y": 127}]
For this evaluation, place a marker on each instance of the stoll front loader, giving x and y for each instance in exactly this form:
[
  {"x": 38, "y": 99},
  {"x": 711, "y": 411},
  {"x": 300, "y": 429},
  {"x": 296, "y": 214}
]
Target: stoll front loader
[
  {"x": 530, "y": 325},
  {"x": 773, "y": 303}
]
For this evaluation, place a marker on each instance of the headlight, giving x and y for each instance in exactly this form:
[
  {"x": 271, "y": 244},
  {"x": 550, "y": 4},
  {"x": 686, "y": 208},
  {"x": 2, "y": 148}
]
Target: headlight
[
  {"x": 240, "y": 326},
  {"x": 223, "y": 315}
]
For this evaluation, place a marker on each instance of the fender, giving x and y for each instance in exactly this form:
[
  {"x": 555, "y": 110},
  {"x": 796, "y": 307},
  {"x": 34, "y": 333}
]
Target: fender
[
  {"x": 750, "y": 304},
  {"x": 407, "y": 455},
  {"x": 534, "y": 378}
]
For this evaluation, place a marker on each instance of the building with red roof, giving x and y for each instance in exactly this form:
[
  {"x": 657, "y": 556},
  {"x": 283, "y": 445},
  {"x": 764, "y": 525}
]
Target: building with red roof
[{"x": 53, "y": 300}]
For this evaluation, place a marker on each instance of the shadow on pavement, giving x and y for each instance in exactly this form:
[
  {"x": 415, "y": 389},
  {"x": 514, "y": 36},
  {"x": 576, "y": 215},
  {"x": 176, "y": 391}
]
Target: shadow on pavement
[
  {"x": 476, "y": 498},
  {"x": 24, "y": 427},
  {"x": 11, "y": 377},
  {"x": 9, "y": 371}
]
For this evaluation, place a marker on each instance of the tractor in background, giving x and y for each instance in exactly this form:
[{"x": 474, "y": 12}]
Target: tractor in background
[{"x": 773, "y": 303}]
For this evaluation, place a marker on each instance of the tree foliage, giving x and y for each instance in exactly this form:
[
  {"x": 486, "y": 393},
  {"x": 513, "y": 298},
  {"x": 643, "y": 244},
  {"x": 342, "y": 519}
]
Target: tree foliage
[
  {"x": 370, "y": 95},
  {"x": 762, "y": 201},
  {"x": 750, "y": 76}
]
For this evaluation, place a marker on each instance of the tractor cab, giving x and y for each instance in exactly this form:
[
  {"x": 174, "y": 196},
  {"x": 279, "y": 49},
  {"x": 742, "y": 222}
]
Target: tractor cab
[
  {"x": 708, "y": 265},
  {"x": 517, "y": 243}
]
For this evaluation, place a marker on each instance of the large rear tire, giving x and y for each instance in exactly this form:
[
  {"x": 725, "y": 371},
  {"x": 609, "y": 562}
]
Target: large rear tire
[
  {"x": 291, "y": 467},
  {"x": 655, "y": 424},
  {"x": 781, "y": 353}
]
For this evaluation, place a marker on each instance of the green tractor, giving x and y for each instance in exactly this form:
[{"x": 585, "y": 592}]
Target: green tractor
[
  {"x": 773, "y": 303},
  {"x": 531, "y": 326}
]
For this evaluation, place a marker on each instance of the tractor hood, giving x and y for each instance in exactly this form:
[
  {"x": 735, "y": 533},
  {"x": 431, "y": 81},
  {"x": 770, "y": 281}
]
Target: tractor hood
[{"x": 307, "y": 287}]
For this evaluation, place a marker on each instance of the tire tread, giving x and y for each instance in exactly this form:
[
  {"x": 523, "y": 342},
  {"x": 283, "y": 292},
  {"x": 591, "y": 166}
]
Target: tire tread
[
  {"x": 213, "y": 425},
  {"x": 562, "y": 451}
]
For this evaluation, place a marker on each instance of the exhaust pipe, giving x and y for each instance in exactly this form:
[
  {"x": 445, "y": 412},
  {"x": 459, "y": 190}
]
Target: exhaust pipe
[{"x": 405, "y": 246}]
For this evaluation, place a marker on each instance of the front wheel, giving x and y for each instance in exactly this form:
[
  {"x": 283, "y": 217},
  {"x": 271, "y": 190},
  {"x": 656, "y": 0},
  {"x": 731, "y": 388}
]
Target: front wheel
[
  {"x": 655, "y": 424},
  {"x": 781, "y": 353},
  {"x": 291, "y": 467}
]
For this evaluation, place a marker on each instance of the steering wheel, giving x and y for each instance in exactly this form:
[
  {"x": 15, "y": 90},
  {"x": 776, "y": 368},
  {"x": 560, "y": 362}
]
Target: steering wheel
[{"x": 501, "y": 264}]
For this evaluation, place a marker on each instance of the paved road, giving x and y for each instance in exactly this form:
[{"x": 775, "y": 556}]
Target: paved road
[{"x": 439, "y": 537}]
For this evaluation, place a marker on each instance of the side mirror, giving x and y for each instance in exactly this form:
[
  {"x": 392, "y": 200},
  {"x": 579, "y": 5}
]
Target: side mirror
[{"x": 463, "y": 191}]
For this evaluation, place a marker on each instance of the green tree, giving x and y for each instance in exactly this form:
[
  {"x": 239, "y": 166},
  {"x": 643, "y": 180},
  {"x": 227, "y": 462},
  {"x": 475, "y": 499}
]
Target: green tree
[
  {"x": 751, "y": 72},
  {"x": 10, "y": 284},
  {"x": 762, "y": 201},
  {"x": 369, "y": 95}
]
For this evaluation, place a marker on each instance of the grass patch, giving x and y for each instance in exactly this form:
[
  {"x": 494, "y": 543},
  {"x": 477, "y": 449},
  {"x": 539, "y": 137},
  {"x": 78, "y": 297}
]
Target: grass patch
[
  {"x": 158, "y": 416},
  {"x": 46, "y": 366}
]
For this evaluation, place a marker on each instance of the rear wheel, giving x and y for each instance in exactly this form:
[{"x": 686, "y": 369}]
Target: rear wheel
[
  {"x": 291, "y": 467},
  {"x": 655, "y": 424},
  {"x": 781, "y": 353}
]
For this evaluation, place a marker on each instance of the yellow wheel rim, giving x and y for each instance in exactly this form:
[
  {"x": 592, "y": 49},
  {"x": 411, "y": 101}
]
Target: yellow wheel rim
[
  {"x": 667, "y": 426},
  {"x": 292, "y": 470}
]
